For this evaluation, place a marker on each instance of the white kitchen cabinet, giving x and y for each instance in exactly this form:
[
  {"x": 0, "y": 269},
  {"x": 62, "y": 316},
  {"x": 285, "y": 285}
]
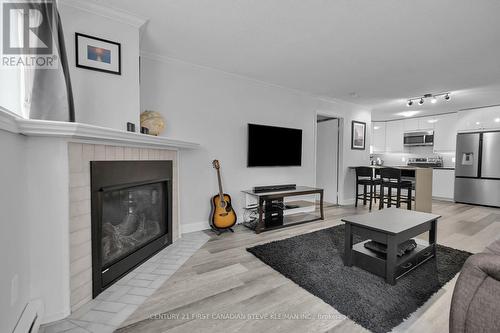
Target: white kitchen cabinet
[
  {"x": 394, "y": 136},
  {"x": 443, "y": 183},
  {"x": 378, "y": 136},
  {"x": 426, "y": 123},
  {"x": 410, "y": 124},
  {"x": 468, "y": 120},
  {"x": 490, "y": 118},
  {"x": 445, "y": 132},
  {"x": 417, "y": 124},
  {"x": 478, "y": 119}
]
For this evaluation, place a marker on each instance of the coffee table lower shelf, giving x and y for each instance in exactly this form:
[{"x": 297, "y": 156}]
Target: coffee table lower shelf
[{"x": 375, "y": 263}]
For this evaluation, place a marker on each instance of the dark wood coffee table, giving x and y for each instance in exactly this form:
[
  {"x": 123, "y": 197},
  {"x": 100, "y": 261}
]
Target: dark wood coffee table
[{"x": 390, "y": 226}]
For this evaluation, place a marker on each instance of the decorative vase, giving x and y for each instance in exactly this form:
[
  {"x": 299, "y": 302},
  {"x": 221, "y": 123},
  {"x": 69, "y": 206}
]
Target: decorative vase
[{"x": 153, "y": 121}]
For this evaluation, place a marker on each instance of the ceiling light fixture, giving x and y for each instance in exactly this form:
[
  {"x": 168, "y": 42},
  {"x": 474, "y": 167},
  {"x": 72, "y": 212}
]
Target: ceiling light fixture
[{"x": 433, "y": 97}]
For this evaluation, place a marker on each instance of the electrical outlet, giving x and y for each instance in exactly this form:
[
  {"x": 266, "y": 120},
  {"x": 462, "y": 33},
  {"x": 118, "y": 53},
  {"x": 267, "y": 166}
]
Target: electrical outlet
[{"x": 14, "y": 289}]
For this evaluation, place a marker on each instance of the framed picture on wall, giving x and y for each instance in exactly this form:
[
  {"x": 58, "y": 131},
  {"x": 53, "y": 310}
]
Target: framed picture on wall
[
  {"x": 98, "y": 54},
  {"x": 358, "y": 135}
]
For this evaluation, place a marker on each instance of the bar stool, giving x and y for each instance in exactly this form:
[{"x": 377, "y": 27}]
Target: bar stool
[
  {"x": 364, "y": 176},
  {"x": 391, "y": 179}
]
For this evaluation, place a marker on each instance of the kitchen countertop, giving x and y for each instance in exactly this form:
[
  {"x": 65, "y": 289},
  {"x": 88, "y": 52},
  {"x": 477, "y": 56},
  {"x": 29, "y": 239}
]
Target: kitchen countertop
[{"x": 407, "y": 167}]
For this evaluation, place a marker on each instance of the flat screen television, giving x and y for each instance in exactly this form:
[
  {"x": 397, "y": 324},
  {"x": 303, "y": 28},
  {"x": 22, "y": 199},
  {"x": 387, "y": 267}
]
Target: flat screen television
[{"x": 274, "y": 146}]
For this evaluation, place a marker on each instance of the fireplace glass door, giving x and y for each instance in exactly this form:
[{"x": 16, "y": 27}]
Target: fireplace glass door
[{"x": 131, "y": 218}]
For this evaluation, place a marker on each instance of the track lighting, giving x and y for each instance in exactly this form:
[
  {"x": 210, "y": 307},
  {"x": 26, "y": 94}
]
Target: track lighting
[{"x": 433, "y": 97}]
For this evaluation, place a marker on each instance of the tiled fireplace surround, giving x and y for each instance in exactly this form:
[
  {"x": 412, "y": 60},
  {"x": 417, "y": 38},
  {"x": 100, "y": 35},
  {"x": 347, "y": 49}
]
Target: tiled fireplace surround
[{"x": 80, "y": 155}]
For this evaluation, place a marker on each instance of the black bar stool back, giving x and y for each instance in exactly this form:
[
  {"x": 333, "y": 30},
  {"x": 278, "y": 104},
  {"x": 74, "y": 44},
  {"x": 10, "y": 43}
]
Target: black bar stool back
[
  {"x": 364, "y": 176},
  {"x": 391, "y": 179}
]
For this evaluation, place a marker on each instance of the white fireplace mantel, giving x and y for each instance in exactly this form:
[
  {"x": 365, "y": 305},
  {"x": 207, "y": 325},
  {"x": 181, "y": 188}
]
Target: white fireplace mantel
[{"x": 84, "y": 132}]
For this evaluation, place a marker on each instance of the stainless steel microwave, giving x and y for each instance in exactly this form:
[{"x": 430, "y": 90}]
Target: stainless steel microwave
[{"x": 421, "y": 138}]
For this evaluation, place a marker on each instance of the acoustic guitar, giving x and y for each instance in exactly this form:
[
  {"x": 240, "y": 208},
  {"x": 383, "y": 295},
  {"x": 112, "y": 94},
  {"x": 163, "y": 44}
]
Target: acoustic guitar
[{"x": 222, "y": 217}]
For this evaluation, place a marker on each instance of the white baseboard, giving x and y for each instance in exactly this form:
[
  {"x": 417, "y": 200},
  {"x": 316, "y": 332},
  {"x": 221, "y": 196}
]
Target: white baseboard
[
  {"x": 194, "y": 226},
  {"x": 200, "y": 226},
  {"x": 347, "y": 202},
  {"x": 52, "y": 317},
  {"x": 443, "y": 199}
]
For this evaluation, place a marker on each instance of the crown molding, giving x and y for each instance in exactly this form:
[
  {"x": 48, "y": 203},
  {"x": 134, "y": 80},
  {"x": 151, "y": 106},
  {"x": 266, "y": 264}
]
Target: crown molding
[{"x": 105, "y": 11}]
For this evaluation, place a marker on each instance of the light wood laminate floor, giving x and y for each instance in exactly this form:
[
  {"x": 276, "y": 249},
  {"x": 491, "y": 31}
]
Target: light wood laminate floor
[{"x": 223, "y": 288}]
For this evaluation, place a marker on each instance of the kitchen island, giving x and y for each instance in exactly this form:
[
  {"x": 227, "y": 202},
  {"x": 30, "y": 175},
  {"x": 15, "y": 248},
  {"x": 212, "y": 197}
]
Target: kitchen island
[{"x": 422, "y": 180}]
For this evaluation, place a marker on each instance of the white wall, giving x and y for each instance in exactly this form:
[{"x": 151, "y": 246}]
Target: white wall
[
  {"x": 32, "y": 173},
  {"x": 14, "y": 235},
  {"x": 213, "y": 108},
  {"x": 103, "y": 99},
  {"x": 48, "y": 187},
  {"x": 327, "y": 158},
  {"x": 348, "y": 156},
  {"x": 10, "y": 89}
]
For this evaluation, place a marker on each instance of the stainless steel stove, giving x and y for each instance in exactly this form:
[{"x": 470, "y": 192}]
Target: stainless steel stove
[{"x": 426, "y": 162}]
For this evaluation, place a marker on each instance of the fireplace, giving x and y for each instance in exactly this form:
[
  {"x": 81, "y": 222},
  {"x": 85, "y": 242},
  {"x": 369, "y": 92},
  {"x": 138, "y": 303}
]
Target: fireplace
[{"x": 131, "y": 216}]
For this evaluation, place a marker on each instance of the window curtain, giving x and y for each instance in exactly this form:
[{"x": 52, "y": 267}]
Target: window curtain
[{"x": 47, "y": 92}]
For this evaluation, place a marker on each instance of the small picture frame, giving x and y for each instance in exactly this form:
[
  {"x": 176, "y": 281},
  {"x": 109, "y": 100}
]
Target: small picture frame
[
  {"x": 98, "y": 54},
  {"x": 358, "y": 135}
]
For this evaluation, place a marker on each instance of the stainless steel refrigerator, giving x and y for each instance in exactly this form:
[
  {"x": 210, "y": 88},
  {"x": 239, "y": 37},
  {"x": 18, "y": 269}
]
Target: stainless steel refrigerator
[{"x": 477, "y": 168}]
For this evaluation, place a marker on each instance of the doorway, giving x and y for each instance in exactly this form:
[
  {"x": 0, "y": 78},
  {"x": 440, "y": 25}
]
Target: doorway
[{"x": 327, "y": 157}]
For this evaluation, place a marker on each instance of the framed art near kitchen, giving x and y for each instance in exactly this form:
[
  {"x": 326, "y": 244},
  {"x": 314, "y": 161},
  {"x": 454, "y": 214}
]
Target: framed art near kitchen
[
  {"x": 358, "y": 135},
  {"x": 98, "y": 54}
]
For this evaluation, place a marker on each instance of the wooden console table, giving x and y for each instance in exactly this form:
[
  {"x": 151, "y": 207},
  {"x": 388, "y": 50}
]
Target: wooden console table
[{"x": 271, "y": 206}]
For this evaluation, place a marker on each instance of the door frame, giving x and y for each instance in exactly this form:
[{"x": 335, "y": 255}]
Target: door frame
[{"x": 340, "y": 133}]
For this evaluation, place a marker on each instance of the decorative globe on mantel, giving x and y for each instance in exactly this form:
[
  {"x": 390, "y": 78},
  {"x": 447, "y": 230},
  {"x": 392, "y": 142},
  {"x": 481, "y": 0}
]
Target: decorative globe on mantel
[{"x": 153, "y": 121}]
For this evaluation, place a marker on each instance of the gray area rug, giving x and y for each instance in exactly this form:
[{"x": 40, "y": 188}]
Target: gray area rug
[{"x": 315, "y": 262}]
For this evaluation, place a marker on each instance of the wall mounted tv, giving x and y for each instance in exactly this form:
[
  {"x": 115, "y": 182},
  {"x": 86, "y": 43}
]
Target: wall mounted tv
[{"x": 274, "y": 146}]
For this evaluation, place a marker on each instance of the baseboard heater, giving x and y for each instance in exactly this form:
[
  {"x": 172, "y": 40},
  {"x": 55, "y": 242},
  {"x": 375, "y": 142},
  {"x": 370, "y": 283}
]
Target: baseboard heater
[{"x": 30, "y": 319}]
